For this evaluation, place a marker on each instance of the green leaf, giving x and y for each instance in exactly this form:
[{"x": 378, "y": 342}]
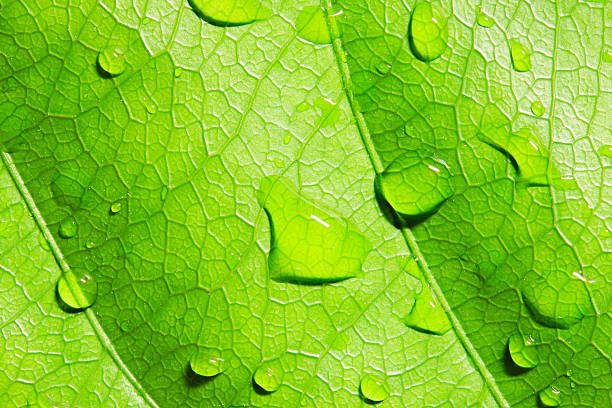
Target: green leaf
[{"x": 143, "y": 133}]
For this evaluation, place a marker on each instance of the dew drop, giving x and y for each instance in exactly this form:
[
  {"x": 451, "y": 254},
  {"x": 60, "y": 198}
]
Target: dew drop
[
  {"x": 521, "y": 56},
  {"x": 605, "y": 151},
  {"x": 550, "y": 396},
  {"x": 428, "y": 31},
  {"x": 523, "y": 351},
  {"x": 302, "y": 107},
  {"x": 178, "y": 71},
  {"x": 287, "y": 138},
  {"x": 374, "y": 388},
  {"x": 484, "y": 20},
  {"x": 427, "y": 316},
  {"x": 309, "y": 244},
  {"x": 279, "y": 163},
  {"x": 383, "y": 68},
  {"x": 415, "y": 187},
  {"x": 267, "y": 378},
  {"x": 311, "y": 25},
  {"x": 68, "y": 228},
  {"x": 206, "y": 363},
  {"x": 115, "y": 207},
  {"x": 89, "y": 244},
  {"x": 150, "y": 106},
  {"x": 77, "y": 293},
  {"x": 537, "y": 108},
  {"x": 111, "y": 61},
  {"x": 43, "y": 242},
  {"x": 231, "y": 12},
  {"x": 163, "y": 193}
]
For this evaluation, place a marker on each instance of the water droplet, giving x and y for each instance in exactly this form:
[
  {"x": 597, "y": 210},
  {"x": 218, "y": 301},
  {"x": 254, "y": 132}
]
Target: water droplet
[
  {"x": 309, "y": 244},
  {"x": 607, "y": 55},
  {"x": 428, "y": 31},
  {"x": 550, "y": 396},
  {"x": 537, "y": 108},
  {"x": 287, "y": 138},
  {"x": 150, "y": 106},
  {"x": 484, "y": 20},
  {"x": 569, "y": 372},
  {"x": 523, "y": 350},
  {"x": 206, "y": 363},
  {"x": 558, "y": 301},
  {"x": 230, "y": 12},
  {"x": 178, "y": 71},
  {"x": 302, "y": 107},
  {"x": 415, "y": 186},
  {"x": 530, "y": 158},
  {"x": 111, "y": 61},
  {"x": 521, "y": 56},
  {"x": 43, "y": 242},
  {"x": 125, "y": 326},
  {"x": 68, "y": 228},
  {"x": 163, "y": 193},
  {"x": 605, "y": 151},
  {"x": 77, "y": 293},
  {"x": 115, "y": 207},
  {"x": 89, "y": 244},
  {"x": 329, "y": 111},
  {"x": 279, "y": 163},
  {"x": 311, "y": 25},
  {"x": 374, "y": 388},
  {"x": 383, "y": 68},
  {"x": 427, "y": 315},
  {"x": 267, "y": 378}
]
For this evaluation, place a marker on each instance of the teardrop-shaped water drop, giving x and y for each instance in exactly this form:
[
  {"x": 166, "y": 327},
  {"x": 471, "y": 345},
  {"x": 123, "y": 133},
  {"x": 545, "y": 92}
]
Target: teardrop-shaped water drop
[
  {"x": 428, "y": 32},
  {"x": 206, "y": 363},
  {"x": 77, "y": 292},
  {"x": 311, "y": 25},
  {"x": 68, "y": 228},
  {"x": 374, "y": 388},
  {"x": 550, "y": 396},
  {"x": 415, "y": 186},
  {"x": 111, "y": 61},
  {"x": 537, "y": 108},
  {"x": 309, "y": 244},
  {"x": 426, "y": 315},
  {"x": 115, "y": 207},
  {"x": 267, "y": 378},
  {"x": 484, "y": 20},
  {"x": 521, "y": 56},
  {"x": 231, "y": 12},
  {"x": 523, "y": 350}
]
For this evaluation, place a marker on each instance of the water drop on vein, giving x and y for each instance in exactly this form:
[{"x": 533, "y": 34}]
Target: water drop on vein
[
  {"x": 427, "y": 315},
  {"x": 374, "y": 388},
  {"x": 309, "y": 244},
  {"x": 68, "y": 228},
  {"x": 267, "y": 378},
  {"x": 77, "y": 292},
  {"x": 111, "y": 61},
  {"x": 484, "y": 20},
  {"x": 231, "y": 12},
  {"x": 523, "y": 350},
  {"x": 428, "y": 31},
  {"x": 550, "y": 396},
  {"x": 178, "y": 71},
  {"x": 521, "y": 56},
  {"x": 206, "y": 363}
]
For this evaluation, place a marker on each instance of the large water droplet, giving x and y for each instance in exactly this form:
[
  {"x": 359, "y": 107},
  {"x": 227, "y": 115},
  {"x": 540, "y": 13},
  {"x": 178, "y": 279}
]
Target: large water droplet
[
  {"x": 231, "y": 12},
  {"x": 267, "y": 378},
  {"x": 374, "y": 388},
  {"x": 77, "y": 292},
  {"x": 309, "y": 244},
  {"x": 206, "y": 363},
  {"x": 521, "y": 56},
  {"x": 550, "y": 396},
  {"x": 415, "y": 186},
  {"x": 427, "y": 315},
  {"x": 68, "y": 228},
  {"x": 311, "y": 25},
  {"x": 484, "y": 20},
  {"x": 559, "y": 300},
  {"x": 523, "y": 350},
  {"x": 537, "y": 108},
  {"x": 529, "y": 156},
  {"x": 111, "y": 61},
  {"x": 428, "y": 31}
]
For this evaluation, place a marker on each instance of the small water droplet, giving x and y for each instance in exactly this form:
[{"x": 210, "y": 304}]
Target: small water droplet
[
  {"x": 163, "y": 193},
  {"x": 484, "y": 20},
  {"x": 374, "y": 388},
  {"x": 550, "y": 396},
  {"x": 125, "y": 326},
  {"x": 605, "y": 151},
  {"x": 427, "y": 316},
  {"x": 302, "y": 107},
  {"x": 267, "y": 378},
  {"x": 521, "y": 56},
  {"x": 206, "y": 363},
  {"x": 43, "y": 242},
  {"x": 150, "y": 106},
  {"x": 287, "y": 138},
  {"x": 415, "y": 187},
  {"x": 68, "y": 228},
  {"x": 279, "y": 163},
  {"x": 537, "y": 108},
  {"x": 178, "y": 71},
  {"x": 569, "y": 372},
  {"x": 229, "y": 13},
  {"x": 77, "y": 292},
  {"x": 309, "y": 244},
  {"x": 111, "y": 61},
  {"x": 383, "y": 68},
  {"x": 89, "y": 244},
  {"x": 523, "y": 350},
  {"x": 311, "y": 25},
  {"x": 115, "y": 207},
  {"x": 428, "y": 31},
  {"x": 329, "y": 111}
]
